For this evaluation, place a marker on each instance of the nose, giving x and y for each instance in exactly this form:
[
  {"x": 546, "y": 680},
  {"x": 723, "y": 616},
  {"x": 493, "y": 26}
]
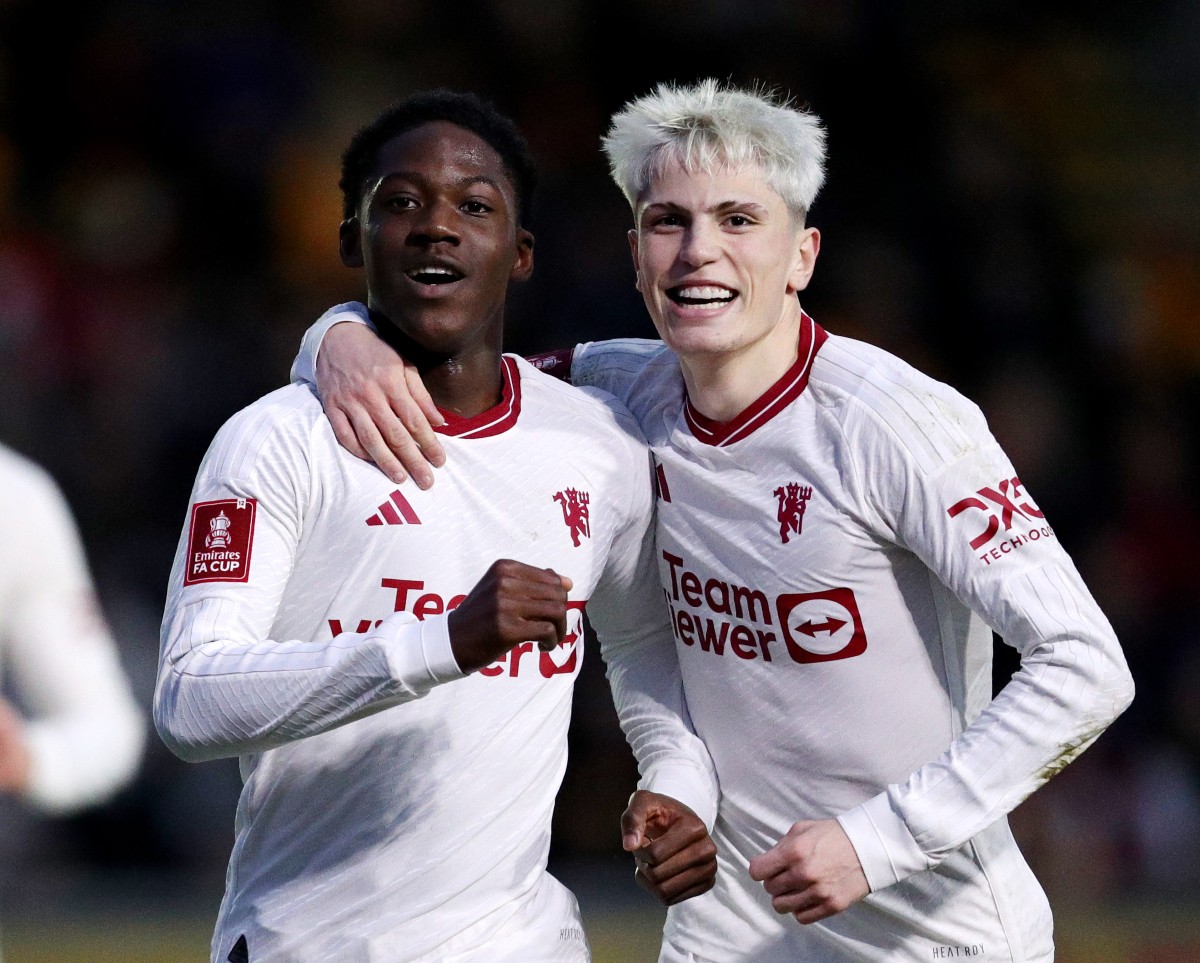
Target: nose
[
  {"x": 434, "y": 224},
  {"x": 700, "y": 245}
]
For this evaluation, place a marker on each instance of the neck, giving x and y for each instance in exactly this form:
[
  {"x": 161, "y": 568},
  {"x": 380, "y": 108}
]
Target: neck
[
  {"x": 465, "y": 380},
  {"x": 722, "y": 385}
]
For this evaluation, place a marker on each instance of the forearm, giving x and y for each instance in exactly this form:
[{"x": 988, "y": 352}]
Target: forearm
[
  {"x": 304, "y": 367},
  {"x": 648, "y": 694},
  {"x": 222, "y": 694},
  {"x": 1066, "y": 692}
]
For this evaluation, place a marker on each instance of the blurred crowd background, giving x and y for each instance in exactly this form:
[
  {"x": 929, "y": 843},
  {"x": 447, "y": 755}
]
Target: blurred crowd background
[{"x": 1013, "y": 205}]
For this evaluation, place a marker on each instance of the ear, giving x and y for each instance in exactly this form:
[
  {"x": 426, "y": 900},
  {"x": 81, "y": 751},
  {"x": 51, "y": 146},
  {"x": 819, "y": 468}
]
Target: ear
[
  {"x": 633, "y": 250},
  {"x": 350, "y": 242},
  {"x": 808, "y": 245},
  {"x": 523, "y": 266}
]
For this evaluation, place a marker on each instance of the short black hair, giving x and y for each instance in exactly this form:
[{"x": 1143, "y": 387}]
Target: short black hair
[{"x": 467, "y": 110}]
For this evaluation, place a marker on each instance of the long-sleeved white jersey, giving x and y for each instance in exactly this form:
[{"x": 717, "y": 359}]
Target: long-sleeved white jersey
[
  {"x": 835, "y": 560},
  {"x": 84, "y": 730},
  {"x": 393, "y": 808}
]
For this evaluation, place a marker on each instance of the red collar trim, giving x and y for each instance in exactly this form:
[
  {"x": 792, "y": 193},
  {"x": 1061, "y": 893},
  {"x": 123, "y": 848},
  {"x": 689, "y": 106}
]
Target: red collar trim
[
  {"x": 495, "y": 420},
  {"x": 772, "y": 401}
]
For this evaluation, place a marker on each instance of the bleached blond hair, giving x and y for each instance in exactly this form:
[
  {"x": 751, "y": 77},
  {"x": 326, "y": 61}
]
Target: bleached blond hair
[{"x": 709, "y": 127}]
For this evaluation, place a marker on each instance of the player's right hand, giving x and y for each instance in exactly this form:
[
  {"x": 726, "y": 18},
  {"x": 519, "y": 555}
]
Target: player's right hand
[
  {"x": 16, "y": 764},
  {"x": 511, "y": 604},
  {"x": 378, "y": 405},
  {"x": 676, "y": 858}
]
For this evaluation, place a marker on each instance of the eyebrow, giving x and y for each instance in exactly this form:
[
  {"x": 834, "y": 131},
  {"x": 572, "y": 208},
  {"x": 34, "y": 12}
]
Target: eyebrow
[
  {"x": 461, "y": 182},
  {"x": 724, "y": 207}
]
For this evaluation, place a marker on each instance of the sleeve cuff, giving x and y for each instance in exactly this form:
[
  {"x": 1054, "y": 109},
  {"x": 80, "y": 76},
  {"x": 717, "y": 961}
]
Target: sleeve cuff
[
  {"x": 304, "y": 368},
  {"x": 419, "y": 653},
  {"x": 693, "y": 788},
  {"x": 885, "y": 847}
]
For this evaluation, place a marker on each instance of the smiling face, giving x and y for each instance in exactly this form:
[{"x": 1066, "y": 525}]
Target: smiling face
[
  {"x": 720, "y": 260},
  {"x": 437, "y": 233}
]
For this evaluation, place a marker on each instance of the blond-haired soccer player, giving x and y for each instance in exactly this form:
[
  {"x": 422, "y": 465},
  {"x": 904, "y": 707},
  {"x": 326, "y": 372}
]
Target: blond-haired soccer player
[{"x": 838, "y": 535}]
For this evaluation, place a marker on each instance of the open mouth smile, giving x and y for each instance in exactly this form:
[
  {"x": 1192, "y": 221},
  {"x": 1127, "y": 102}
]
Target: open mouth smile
[
  {"x": 434, "y": 274},
  {"x": 701, "y": 295}
]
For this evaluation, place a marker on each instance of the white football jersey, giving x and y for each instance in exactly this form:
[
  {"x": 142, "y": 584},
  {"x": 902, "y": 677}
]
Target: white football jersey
[
  {"x": 84, "y": 730},
  {"x": 393, "y": 808},
  {"x": 835, "y": 560}
]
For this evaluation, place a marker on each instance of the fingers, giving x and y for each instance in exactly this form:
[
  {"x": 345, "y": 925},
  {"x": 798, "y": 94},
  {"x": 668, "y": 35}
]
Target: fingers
[
  {"x": 511, "y": 604},
  {"x": 378, "y": 450},
  {"x": 543, "y": 621},
  {"x": 676, "y": 889},
  {"x": 813, "y": 872},
  {"x": 385, "y": 414},
  {"x": 633, "y": 824},
  {"x": 688, "y": 869},
  {"x": 770, "y": 863},
  {"x": 676, "y": 859},
  {"x": 407, "y": 427},
  {"x": 686, "y": 875},
  {"x": 343, "y": 431},
  {"x": 422, "y": 427}
]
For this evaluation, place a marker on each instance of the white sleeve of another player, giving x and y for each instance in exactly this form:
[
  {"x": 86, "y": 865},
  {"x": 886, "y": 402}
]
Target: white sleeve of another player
[
  {"x": 631, "y": 621},
  {"x": 304, "y": 368},
  {"x": 225, "y": 687},
  {"x": 85, "y": 732},
  {"x": 612, "y": 365},
  {"x": 1073, "y": 679}
]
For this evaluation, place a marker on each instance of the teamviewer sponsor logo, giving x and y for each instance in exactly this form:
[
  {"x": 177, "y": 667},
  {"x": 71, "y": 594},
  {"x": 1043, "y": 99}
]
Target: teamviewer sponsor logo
[
  {"x": 718, "y": 617},
  {"x": 523, "y": 660},
  {"x": 821, "y": 626}
]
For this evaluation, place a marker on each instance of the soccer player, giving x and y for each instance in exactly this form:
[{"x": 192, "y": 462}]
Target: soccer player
[
  {"x": 838, "y": 535},
  {"x": 395, "y": 668},
  {"x": 79, "y": 735}
]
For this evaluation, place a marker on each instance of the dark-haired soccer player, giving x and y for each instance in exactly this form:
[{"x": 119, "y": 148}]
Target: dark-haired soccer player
[{"x": 402, "y": 734}]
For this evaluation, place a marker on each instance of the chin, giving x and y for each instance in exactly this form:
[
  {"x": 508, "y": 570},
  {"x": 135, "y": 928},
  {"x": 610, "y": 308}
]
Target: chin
[{"x": 696, "y": 341}]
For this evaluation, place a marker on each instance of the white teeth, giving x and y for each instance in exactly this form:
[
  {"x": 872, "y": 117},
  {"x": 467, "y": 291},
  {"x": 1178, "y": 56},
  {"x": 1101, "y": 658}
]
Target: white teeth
[
  {"x": 706, "y": 293},
  {"x": 432, "y": 270}
]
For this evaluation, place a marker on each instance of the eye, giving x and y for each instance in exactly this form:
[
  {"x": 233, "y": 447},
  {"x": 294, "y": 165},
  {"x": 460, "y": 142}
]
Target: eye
[
  {"x": 738, "y": 220},
  {"x": 399, "y": 202},
  {"x": 665, "y": 221},
  {"x": 476, "y": 207}
]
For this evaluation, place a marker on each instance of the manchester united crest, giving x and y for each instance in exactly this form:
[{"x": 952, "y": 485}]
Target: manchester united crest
[
  {"x": 574, "y": 504},
  {"x": 793, "y": 499}
]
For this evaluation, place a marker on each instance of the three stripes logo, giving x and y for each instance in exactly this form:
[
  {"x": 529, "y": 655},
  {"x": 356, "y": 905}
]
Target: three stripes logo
[{"x": 395, "y": 511}]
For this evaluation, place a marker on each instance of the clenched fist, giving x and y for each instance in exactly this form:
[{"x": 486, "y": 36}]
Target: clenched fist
[
  {"x": 511, "y": 604},
  {"x": 813, "y": 872},
  {"x": 675, "y": 857}
]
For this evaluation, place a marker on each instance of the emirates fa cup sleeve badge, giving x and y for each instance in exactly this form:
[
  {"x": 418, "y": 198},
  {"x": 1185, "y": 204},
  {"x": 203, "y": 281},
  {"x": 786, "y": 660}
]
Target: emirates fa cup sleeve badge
[{"x": 220, "y": 541}]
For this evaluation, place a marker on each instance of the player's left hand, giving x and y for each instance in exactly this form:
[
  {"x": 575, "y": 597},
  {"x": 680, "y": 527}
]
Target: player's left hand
[
  {"x": 813, "y": 872},
  {"x": 676, "y": 859}
]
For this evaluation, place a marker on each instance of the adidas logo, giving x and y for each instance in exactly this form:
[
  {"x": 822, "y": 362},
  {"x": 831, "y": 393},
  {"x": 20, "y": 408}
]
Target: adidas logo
[{"x": 397, "y": 511}]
